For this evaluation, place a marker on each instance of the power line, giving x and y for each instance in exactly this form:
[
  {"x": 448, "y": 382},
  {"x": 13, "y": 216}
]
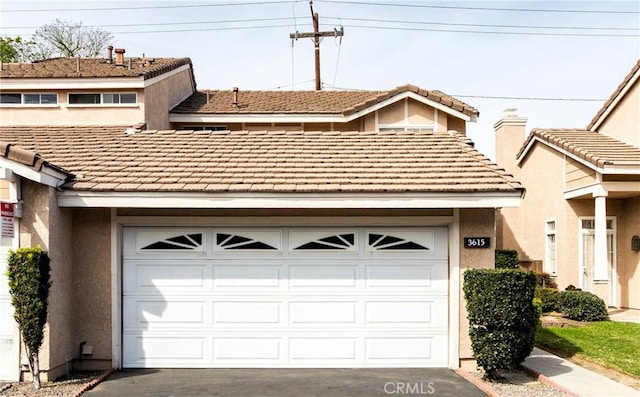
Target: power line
[
  {"x": 152, "y": 7},
  {"x": 274, "y": 19},
  {"x": 520, "y": 98},
  {"x": 530, "y": 98},
  {"x": 493, "y": 32},
  {"x": 483, "y": 25},
  {"x": 368, "y": 3}
]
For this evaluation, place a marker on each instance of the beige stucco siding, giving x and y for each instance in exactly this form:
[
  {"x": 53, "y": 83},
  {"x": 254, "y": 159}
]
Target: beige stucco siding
[
  {"x": 392, "y": 114},
  {"x": 456, "y": 124},
  {"x": 419, "y": 113},
  {"x": 578, "y": 175},
  {"x": 64, "y": 114},
  {"x": 628, "y": 266},
  {"x": 623, "y": 121},
  {"x": 92, "y": 288},
  {"x": 4, "y": 189},
  {"x": 162, "y": 96},
  {"x": 476, "y": 223},
  {"x": 44, "y": 224}
]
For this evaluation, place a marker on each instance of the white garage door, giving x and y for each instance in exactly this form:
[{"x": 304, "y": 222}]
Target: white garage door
[{"x": 285, "y": 297}]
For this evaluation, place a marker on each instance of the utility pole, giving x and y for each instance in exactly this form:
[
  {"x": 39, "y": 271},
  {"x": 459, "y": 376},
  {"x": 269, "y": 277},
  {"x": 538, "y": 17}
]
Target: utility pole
[{"x": 316, "y": 35}]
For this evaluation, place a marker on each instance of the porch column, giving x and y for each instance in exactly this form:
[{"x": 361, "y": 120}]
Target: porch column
[{"x": 601, "y": 268}]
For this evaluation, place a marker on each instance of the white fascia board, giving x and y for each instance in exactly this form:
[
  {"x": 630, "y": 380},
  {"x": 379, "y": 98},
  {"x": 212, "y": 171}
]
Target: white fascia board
[
  {"x": 73, "y": 83},
  {"x": 602, "y": 189},
  {"x": 310, "y": 117},
  {"x": 609, "y": 169},
  {"x": 242, "y": 221},
  {"x": 615, "y": 102},
  {"x": 275, "y": 200},
  {"x": 583, "y": 191},
  {"x": 256, "y": 118},
  {"x": 46, "y": 176}
]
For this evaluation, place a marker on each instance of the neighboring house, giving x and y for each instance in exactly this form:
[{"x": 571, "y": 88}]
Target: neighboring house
[
  {"x": 264, "y": 246},
  {"x": 404, "y": 108},
  {"x": 70, "y": 91},
  {"x": 581, "y": 214}
]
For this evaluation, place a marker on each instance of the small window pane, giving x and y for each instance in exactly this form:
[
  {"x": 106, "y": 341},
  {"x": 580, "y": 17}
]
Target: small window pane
[
  {"x": 84, "y": 99},
  {"x": 49, "y": 98},
  {"x": 10, "y": 98},
  {"x": 110, "y": 98},
  {"x": 588, "y": 224},
  {"x": 128, "y": 98},
  {"x": 32, "y": 99},
  {"x": 551, "y": 225}
]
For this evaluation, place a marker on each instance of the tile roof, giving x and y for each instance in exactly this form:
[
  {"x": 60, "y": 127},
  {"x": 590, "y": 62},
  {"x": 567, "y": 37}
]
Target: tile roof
[
  {"x": 599, "y": 149},
  {"x": 26, "y": 157},
  {"x": 616, "y": 93},
  {"x": 91, "y": 68},
  {"x": 107, "y": 159},
  {"x": 304, "y": 102}
]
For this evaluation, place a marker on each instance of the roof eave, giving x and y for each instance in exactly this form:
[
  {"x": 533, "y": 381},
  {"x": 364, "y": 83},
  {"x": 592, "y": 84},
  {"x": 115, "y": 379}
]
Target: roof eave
[{"x": 290, "y": 200}]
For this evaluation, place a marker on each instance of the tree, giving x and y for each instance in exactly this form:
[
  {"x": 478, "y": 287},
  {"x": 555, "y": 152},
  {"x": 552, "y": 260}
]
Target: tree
[
  {"x": 10, "y": 49},
  {"x": 29, "y": 283},
  {"x": 67, "y": 39}
]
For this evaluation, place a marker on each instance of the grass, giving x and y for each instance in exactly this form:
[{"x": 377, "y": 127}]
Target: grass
[{"x": 611, "y": 344}]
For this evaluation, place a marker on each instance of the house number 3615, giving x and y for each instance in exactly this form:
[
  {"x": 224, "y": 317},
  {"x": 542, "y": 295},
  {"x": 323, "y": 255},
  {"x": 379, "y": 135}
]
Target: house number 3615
[{"x": 477, "y": 242}]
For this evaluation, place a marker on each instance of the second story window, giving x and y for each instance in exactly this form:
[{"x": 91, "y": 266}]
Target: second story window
[
  {"x": 17, "y": 98},
  {"x": 115, "y": 98}
]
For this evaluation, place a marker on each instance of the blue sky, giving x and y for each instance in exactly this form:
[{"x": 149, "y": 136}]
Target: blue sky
[{"x": 428, "y": 49}]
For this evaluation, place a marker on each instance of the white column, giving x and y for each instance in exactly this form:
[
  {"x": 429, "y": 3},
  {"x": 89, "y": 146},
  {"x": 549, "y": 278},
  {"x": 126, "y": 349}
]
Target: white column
[{"x": 601, "y": 268}]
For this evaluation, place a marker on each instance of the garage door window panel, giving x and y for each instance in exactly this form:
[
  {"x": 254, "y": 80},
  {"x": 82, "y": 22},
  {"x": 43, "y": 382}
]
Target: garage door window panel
[
  {"x": 323, "y": 241},
  {"x": 171, "y": 241},
  {"x": 399, "y": 241},
  {"x": 248, "y": 240}
]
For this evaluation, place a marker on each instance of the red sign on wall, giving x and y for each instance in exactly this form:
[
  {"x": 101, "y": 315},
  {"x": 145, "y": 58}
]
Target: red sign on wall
[
  {"x": 6, "y": 215},
  {"x": 6, "y": 209}
]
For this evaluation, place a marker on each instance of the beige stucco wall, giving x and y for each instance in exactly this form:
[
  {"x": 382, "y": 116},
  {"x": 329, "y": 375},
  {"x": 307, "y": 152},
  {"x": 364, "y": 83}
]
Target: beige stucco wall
[
  {"x": 456, "y": 124},
  {"x": 45, "y": 224},
  {"x": 578, "y": 174},
  {"x": 419, "y": 113},
  {"x": 473, "y": 223},
  {"x": 75, "y": 114},
  {"x": 162, "y": 96},
  {"x": 628, "y": 266},
  {"x": 624, "y": 120},
  {"x": 92, "y": 283},
  {"x": 4, "y": 189},
  {"x": 392, "y": 114}
]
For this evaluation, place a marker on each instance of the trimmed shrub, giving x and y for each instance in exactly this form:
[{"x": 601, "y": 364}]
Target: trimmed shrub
[
  {"x": 550, "y": 299},
  {"x": 502, "y": 317},
  {"x": 506, "y": 259},
  {"x": 582, "y": 306},
  {"x": 29, "y": 283},
  {"x": 545, "y": 280}
]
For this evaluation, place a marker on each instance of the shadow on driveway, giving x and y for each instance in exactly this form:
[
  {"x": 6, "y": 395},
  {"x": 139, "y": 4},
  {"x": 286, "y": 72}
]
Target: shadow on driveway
[{"x": 440, "y": 382}]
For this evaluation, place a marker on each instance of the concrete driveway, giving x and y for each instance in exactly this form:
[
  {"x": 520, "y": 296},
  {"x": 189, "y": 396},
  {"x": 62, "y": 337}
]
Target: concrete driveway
[{"x": 438, "y": 382}]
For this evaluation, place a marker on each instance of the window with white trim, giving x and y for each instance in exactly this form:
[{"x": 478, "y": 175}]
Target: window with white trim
[
  {"x": 110, "y": 98},
  {"x": 205, "y": 127},
  {"x": 20, "y": 98},
  {"x": 587, "y": 248},
  {"x": 406, "y": 128},
  {"x": 550, "y": 260}
]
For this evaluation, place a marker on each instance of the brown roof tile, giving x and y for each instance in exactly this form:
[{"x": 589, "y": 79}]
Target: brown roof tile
[
  {"x": 598, "y": 149},
  {"x": 304, "y": 102},
  {"x": 90, "y": 68},
  {"x": 266, "y": 162},
  {"x": 616, "y": 93}
]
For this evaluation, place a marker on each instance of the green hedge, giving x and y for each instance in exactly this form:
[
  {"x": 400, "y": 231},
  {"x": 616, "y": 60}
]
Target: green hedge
[
  {"x": 501, "y": 316},
  {"x": 582, "y": 306},
  {"x": 506, "y": 259},
  {"x": 550, "y": 298}
]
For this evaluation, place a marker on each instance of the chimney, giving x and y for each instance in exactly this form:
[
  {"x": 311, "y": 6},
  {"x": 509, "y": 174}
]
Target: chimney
[
  {"x": 110, "y": 54},
  {"x": 510, "y": 135},
  {"x": 235, "y": 97},
  {"x": 120, "y": 56}
]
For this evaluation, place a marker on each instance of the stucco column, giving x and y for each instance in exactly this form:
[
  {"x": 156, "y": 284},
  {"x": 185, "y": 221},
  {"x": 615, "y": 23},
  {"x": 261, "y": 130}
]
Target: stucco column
[{"x": 601, "y": 267}]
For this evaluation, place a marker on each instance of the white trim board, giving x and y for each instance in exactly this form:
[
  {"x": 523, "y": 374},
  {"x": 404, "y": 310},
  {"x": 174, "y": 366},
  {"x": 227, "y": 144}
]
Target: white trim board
[
  {"x": 292, "y": 200},
  {"x": 311, "y": 117}
]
